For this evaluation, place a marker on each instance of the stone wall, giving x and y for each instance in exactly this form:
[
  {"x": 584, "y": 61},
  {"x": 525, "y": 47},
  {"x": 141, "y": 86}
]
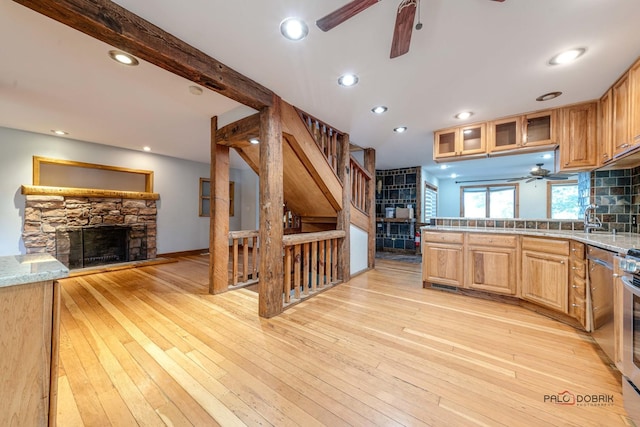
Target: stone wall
[{"x": 44, "y": 214}]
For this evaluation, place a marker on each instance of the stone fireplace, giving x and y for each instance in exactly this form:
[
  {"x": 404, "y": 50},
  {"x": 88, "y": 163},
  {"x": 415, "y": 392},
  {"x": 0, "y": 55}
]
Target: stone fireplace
[{"x": 119, "y": 229}]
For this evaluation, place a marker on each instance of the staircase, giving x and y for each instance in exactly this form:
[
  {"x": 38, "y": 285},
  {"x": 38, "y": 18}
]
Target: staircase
[{"x": 326, "y": 191}]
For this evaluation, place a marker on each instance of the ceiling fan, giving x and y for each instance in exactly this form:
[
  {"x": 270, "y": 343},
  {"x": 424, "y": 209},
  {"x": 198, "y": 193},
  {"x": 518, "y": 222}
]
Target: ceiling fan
[
  {"x": 401, "y": 31},
  {"x": 540, "y": 173}
]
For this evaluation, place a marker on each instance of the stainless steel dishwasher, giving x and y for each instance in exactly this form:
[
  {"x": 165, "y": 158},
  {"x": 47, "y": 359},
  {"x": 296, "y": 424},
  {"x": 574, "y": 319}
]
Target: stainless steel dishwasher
[{"x": 600, "y": 298}]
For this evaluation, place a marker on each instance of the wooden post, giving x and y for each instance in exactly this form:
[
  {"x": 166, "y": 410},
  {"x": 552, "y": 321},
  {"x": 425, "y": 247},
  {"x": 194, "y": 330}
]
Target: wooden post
[
  {"x": 344, "y": 216},
  {"x": 370, "y": 166},
  {"x": 219, "y": 215},
  {"x": 270, "y": 285}
]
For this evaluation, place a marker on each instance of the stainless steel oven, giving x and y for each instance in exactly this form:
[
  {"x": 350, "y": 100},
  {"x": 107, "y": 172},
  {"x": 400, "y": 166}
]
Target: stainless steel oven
[{"x": 631, "y": 335}]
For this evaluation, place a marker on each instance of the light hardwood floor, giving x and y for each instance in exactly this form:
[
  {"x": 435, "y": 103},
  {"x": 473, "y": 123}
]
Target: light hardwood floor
[{"x": 149, "y": 346}]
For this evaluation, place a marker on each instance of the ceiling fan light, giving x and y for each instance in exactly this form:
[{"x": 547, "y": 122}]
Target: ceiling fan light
[
  {"x": 348, "y": 80},
  {"x": 294, "y": 29},
  {"x": 567, "y": 56}
]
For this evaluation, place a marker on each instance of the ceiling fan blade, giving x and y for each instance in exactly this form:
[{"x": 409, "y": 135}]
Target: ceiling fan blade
[
  {"x": 340, "y": 15},
  {"x": 499, "y": 0},
  {"x": 532, "y": 179},
  {"x": 403, "y": 28},
  {"x": 517, "y": 179},
  {"x": 556, "y": 177}
]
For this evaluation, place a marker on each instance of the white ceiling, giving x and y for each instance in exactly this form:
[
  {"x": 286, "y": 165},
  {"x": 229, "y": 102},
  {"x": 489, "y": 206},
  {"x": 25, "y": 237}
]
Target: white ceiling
[{"x": 478, "y": 55}]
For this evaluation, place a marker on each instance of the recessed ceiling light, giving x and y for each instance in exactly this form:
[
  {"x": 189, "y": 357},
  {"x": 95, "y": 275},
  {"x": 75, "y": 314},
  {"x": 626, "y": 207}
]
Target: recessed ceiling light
[
  {"x": 123, "y": 58},
  {"x": 59, "y": 132},
  {"x": 348, "y": 80},
  {"x": 463, "y": 115},
  {"x": 548, "y": 96},
  {"x": 400, "y": 129},
  {"x": 443, "y": 167},
  {"x": 379, "y": 109},
  {"x": 547, "y": 156},
  {"x": 254, "y": 141},
  {"x": 294, "y": 29},
  {"x": 195, "y": 90},
  {"x": 454, "y": 175},
  {"x": 146, "y": 148},
  {"x": 567, "y": 56}
]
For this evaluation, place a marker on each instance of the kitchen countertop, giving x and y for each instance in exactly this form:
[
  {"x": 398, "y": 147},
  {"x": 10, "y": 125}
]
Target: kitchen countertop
[
  {"x": 620, "y": 242},
  {"x": 30, "y": 268}
]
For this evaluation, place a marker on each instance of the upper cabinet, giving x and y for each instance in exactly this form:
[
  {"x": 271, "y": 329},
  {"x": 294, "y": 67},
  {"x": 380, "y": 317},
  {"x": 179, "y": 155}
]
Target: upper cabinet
[
  {"x": 620, "y": 117},
  {"x": 605, "y": 115},
  {"x": 539, "y": 128},
  {"x": 505, "y": 134},
  {"x": 578, "y": 150},
  {"x": 462, "y": 141},
  {"x": 634, "y": 104}
]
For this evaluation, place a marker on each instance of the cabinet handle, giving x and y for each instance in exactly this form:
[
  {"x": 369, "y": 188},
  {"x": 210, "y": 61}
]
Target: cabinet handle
[
  {"x": 566, "y": 164},
  {"x": 561, "y": 262},
  {"x": 616, "y": 275},
  {"x": 624, "y": 145},
  {"x": 573, "y": 268},
  {"x": 575, "y": 305},
  {"x": 575, "y": 286},
  {"x": 573, "y": 249}
]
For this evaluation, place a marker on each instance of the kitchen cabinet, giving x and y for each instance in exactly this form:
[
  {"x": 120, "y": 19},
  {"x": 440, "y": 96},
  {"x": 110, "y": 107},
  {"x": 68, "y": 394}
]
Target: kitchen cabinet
[
  {"x": 578, "y": 283},
  {"x": 618, "y": 313},
  {"x": 540, "y": 128},
  {"x": 620, "y": 115},
  {"x": 545, "y": 272},
  {"x": 442, "y": 258},
  {"x": 460, "y": 141},
  {"x": 605, "y": 115},
  {"x": 634, "y": 104},
  {"x": 491, "y": 262},
  {"x": 505, "y": 134},
  {"x": 578, "y": 145}
]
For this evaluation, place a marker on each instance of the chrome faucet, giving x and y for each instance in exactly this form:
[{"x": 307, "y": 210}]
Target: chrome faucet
[{"x": 591, "y": 221}]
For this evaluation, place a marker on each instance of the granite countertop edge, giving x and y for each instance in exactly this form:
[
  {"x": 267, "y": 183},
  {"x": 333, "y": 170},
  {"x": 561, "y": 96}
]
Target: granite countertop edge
[
  {"x": 620, "y": 242},
  {"x": 30, "y": 268}
]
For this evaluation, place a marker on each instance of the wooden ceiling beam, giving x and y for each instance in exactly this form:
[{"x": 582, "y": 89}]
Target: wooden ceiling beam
[
  {"x": 238, "y": 133},
  {"x": 122, "y": 29}
]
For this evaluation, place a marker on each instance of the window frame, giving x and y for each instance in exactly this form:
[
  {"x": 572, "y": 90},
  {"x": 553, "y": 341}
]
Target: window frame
[
  {"x": 487, "y": 187},
  {"x": 550, "y": 185},
  {"x": 202, "y": 198}
]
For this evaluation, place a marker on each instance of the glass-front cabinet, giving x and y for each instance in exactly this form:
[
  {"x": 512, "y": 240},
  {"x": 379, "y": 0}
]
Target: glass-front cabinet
[
  {"x": 460, "y": 141},
  {"x": 505, "y": 134},
  {"x": 539, "y": 128}
]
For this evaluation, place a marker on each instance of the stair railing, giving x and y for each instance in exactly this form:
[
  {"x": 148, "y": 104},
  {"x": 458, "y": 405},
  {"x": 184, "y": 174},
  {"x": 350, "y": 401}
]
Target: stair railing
[
  {"x": 244, "y": 269},
  {"x": 328, "y": 139},
  {"x": 360, "y": 179}
]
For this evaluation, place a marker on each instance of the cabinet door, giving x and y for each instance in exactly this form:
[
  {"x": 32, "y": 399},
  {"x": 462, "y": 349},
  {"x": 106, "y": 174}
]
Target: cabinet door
[
  {"x": 605, "y": 115},
  {"x": 504, "y": 134},
  {"x": 539, "y": 128},
  {"x": 445, "y": 143},
  {"x": 634, "y": 104},
  {"x": 620, "y": 118},
  {"x": 578, "y": 145},
  {"x": 545, "y": 279},
  {"x": 473, "y": 139},
  {"x": 618, "y": 316},
  {"x": 442, "y": 264},
  {"x": 491, "y": 269}
]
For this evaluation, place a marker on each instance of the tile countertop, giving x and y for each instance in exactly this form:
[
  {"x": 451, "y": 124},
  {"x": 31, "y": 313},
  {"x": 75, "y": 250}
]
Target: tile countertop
[
  {"x": 21, "y": 269},
  {"x": 620, "y": 242}
]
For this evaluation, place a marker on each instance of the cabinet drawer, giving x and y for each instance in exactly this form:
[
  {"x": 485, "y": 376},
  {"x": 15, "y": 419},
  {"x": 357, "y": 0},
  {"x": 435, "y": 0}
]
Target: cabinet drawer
[
  {"x": 558, "y": 247},
  {"x": 492, "y": 240},
  {"x": 578, "y": 268},
  {"x": 442, "y": 237},
  {"x": 578, "y": 310},
  {"x": 577, "y": 249},
  {"x": 578, "y": 289}
]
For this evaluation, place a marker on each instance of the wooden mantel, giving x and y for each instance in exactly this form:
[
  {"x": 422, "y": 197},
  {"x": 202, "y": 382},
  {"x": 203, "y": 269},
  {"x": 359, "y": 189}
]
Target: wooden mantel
[{"x": 40, "y": 190}]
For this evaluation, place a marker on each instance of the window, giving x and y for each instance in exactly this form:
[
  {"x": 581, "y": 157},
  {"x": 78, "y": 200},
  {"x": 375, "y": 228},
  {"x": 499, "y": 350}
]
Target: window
[
  {"x": 205, "y": 197},
  {"x": 489, "y": 201},
  {"x": 430, "y": 201},
  {"x": 562, "y": 200}
]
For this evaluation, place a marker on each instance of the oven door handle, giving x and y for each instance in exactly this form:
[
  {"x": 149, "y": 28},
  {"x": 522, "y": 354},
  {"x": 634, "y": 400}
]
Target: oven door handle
[{"x": 628, "y": 283}]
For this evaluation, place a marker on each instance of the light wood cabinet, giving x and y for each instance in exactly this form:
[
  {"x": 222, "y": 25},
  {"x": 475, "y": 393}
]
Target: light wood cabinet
[
  {"x": 505, "y": 134},
  {"x": 618, "y": 305},
  {"x": 578, "y": 283},
  {"x": 490, "y": 263},
  {"x": 442, "y": 258},
  {"x": 634, "y": 104},
  {"x": 460, "y": 141},
  {"x": 29, "y": 360},
  {"x": 578, "y": 146},
  {"x": 539, "y": 128},
  {"x": 620, "y": 115},
  {"x": 605, "y": 115},
  {"x": 545, "y": 272}
]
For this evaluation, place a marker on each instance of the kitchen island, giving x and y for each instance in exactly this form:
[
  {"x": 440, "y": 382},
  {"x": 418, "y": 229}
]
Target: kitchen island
[{"x": 29, "y": 334}]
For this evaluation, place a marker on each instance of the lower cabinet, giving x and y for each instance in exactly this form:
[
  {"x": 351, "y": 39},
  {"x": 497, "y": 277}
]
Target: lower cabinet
[
  {"x": 491, "y": 263},
  {"x": 545, "y": 272},
  {"x": 578, "y": 283},
  {"x": 442, "y": 258}
]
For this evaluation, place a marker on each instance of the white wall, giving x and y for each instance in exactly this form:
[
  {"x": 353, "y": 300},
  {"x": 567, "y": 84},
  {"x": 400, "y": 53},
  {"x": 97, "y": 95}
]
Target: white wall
[
  {"x": 533, "y": 198},
  {"x": 179, "y": 226},
  {"x": 358, "y": 248}
]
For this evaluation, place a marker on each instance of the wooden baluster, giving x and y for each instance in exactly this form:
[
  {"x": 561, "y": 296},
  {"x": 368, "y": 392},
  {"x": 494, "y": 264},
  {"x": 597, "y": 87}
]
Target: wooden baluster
[
  {"x": 254, "y": 255},
  {"x": 334, "y": 149},
  {"x": 234, "y": 267},
  {"x": 327, "y": 263},
  {"x": 245, "y": 259},
  {"x": 287, "y": 274},
  {"x": 297, "y": 259},
  {"x": 334, "y": 261},
  {"x": 314, "y": 266},
  {"x": 363, "y": 186},
  {"x": 305, "y": 269},
  {"x": 321, "y": 261}
]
